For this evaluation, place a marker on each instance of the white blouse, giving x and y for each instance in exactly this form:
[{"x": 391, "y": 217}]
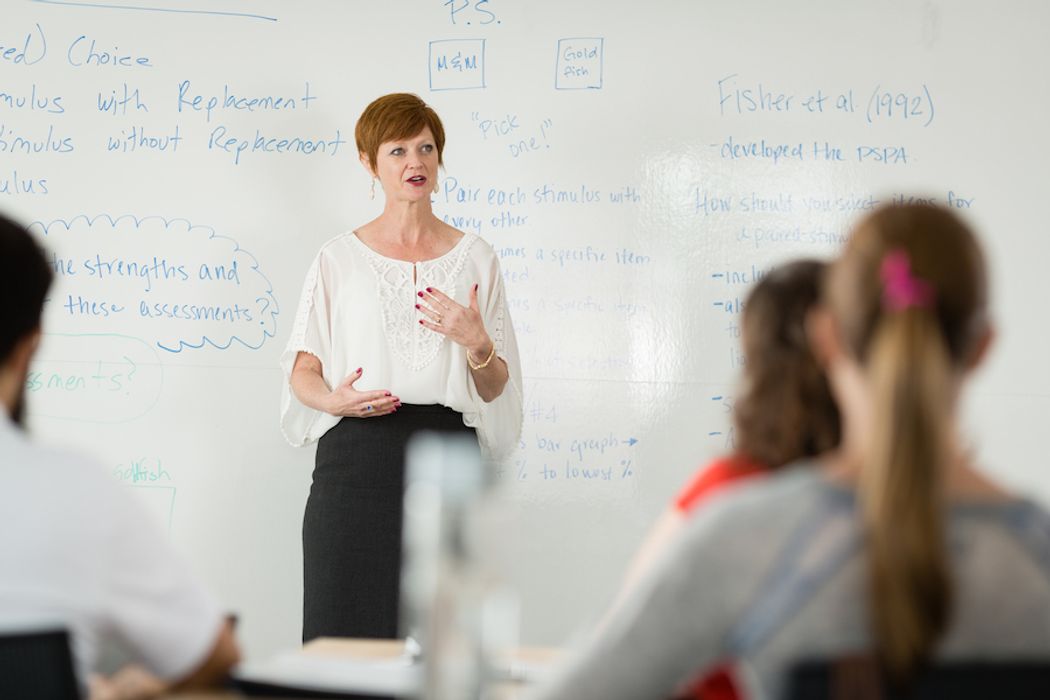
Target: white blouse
[{"x": 358, "y": 309}]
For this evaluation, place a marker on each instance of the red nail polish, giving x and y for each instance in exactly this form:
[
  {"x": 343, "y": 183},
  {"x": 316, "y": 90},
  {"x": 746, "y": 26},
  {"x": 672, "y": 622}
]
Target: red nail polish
[
  {"x": 419, "y": 294},
  {"x": 475, "y": 287},
  {"x": 429, "y": 289},
  {"x": 358, "y": 370},
  {"x": 388, "y": 393},
  {"x": 417, "y": 306},
  {"x": 421, "y": 322}
]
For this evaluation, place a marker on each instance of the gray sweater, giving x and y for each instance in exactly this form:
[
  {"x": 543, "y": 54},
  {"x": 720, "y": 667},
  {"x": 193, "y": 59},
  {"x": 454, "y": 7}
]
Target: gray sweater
[{"x": 774, "y": 572}]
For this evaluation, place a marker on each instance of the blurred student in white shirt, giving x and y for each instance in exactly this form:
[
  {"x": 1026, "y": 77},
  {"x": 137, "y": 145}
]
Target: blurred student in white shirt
[{"x": 78, "y": 551}]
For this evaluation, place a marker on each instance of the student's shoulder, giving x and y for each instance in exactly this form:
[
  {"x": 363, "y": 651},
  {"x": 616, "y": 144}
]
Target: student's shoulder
[
  {"x": 1030, "y": 523},
  {"x": 713, "y": 477},
  {"x": 734, "y": 537},
  {"x": 60, "y": 476},
  {"x": 766, "y": 505},
  {"x": 76, "y": 468}
]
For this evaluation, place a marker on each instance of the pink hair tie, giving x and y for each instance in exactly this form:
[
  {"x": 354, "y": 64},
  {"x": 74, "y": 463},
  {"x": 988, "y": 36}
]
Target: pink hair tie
[{"x": 900, "y": 288}]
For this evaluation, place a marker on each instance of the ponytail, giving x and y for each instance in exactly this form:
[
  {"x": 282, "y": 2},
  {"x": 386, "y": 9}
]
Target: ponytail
[
  {"x": 910, "y": 372},
  {"x": 908, "y": 296}
]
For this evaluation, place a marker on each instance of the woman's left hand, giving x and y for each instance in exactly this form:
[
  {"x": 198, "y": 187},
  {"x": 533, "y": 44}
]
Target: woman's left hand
[{"x": 461, "y": 324}]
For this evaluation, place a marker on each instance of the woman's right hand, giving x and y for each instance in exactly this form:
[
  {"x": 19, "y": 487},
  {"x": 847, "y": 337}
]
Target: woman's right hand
[{"x": 344, "y": 400}]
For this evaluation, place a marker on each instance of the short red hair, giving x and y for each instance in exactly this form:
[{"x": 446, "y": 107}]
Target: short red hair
[{"x": 400, "y": 115}]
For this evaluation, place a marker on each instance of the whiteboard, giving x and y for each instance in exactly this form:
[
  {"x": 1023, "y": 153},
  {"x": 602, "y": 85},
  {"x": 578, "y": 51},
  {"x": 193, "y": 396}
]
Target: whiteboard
[{"x": 635, "y": 165}]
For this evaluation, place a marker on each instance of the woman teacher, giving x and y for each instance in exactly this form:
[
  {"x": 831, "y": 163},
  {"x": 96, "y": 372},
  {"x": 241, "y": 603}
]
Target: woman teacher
[{"x": 402, "y": 326}]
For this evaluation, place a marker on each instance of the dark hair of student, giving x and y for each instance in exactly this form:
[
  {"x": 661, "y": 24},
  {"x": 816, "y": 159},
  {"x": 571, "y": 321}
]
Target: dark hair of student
[
  {"x": 24, "y": 280},
  {"x": 784, "y": 409},
  {"x": 911, "y": 352}
]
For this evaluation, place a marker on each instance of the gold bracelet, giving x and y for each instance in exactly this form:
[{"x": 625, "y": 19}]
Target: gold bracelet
[{"x": 483, "y": 365}]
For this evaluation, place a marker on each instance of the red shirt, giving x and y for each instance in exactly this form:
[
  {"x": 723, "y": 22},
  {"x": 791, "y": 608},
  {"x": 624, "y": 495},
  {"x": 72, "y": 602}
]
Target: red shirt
[
  {"x": 717, "y": 683},
  {"x": 713, "y": 477}
]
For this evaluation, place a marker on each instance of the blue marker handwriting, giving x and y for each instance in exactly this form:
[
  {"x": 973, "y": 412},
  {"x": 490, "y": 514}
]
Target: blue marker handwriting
[
  {"x": 740, "y": 96},
  {"x": 507, "y": 129},
  {"x": 261, "y": 143},
  {"x": 180, "y": 284},
  {"x": 24, "y": 52},
  {"x": 32, "y": 100},
  {"x": 13, "y": 183},
  {"x": 145, "y": 8},
  {"x": 779, "y": 152},
  {"x": 94, "y": 378},
  {"x": 138, "y": 138},
  {"x": 119, "y": 101},
  {"x": 17, "y": 143},
  {"x": 189, "y": 101},
  {"x": 142, "y": 470},
  {"x": 471, "y": 13},
  {"x": 85, "y": 51}
]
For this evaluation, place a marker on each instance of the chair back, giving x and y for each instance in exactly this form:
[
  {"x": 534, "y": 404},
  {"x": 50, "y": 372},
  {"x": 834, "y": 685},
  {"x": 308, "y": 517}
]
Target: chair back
[
  {"x": 859, "y": 678},
  {"x": 37, "y": 666}
]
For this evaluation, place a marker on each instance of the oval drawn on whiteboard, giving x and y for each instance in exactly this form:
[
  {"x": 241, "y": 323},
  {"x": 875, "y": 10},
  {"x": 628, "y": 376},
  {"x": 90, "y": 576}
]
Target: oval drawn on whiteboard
[
  {"x": 93, "y": 378},
  {"x": 180, "y": 285}
]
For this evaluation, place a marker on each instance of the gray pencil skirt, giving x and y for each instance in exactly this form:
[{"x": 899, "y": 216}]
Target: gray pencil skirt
[{"x": 352, "y": 523}]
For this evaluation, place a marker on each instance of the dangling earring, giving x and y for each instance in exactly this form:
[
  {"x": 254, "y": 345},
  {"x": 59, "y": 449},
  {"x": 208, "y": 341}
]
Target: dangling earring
[
  {"x": 436, "y": 188},
  {"x": 372, "y": 190}
]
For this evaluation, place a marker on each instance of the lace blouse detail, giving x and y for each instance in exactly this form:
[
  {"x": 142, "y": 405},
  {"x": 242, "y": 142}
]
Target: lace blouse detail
[
  {"x": 497, "y": 328},
  {"x": 413, "y": 343},
  {"x": 302, "y": 314}
]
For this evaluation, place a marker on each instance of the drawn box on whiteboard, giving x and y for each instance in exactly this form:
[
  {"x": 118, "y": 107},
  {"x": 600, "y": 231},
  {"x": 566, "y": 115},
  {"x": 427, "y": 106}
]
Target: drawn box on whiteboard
[
  {"x": 579, "y": 63},
  {"x": 457, "y": 64}
]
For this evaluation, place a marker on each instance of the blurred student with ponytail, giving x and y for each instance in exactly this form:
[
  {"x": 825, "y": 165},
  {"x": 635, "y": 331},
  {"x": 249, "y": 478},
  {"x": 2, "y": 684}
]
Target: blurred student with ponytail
[
  {"x": 783, "y": 412},
  {"x": 895, "y": 546}
]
